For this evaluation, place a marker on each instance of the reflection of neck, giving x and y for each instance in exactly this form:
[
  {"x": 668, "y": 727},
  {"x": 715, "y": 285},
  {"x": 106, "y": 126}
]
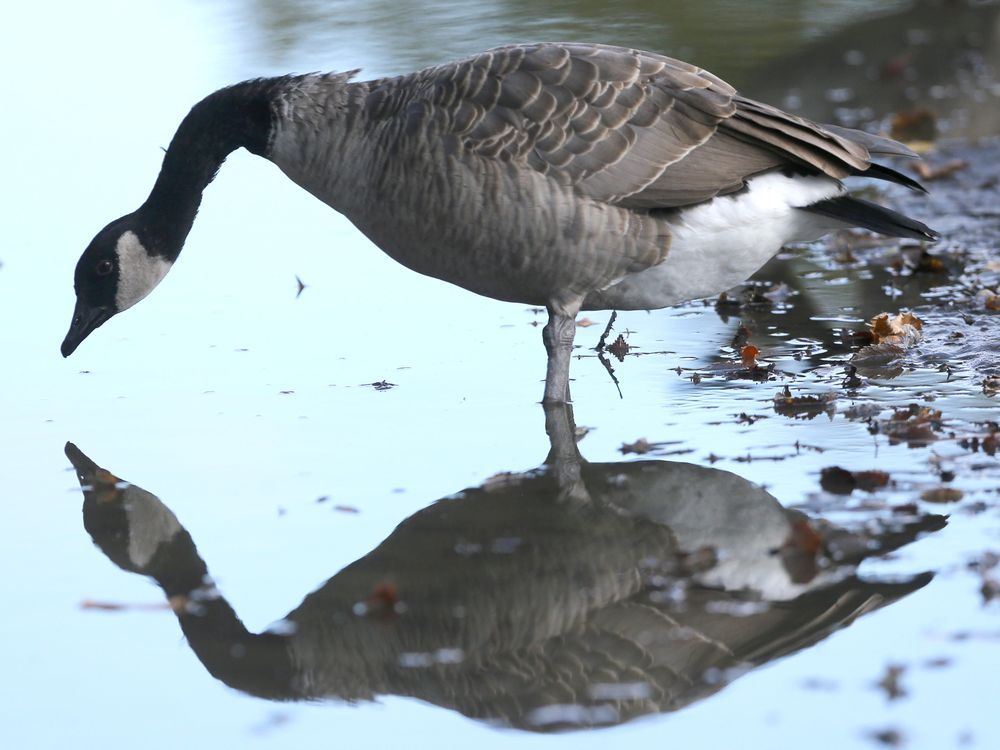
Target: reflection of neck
[
  {"x": 564, "y": 458},
  {"x": 256, "y": 664},
  {"x": 215, "y": 127}
]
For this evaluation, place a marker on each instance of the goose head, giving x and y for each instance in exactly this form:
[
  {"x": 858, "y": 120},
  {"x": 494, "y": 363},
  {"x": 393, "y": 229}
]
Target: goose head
[{"x": 118, "y": 268}]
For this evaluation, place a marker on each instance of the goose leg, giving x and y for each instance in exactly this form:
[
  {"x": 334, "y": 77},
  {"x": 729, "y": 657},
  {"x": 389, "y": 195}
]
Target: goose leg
[{"x": 558, "y": 337}]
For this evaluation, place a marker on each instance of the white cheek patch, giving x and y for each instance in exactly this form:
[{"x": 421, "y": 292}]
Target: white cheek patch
[{"x": 138, "y": 271}]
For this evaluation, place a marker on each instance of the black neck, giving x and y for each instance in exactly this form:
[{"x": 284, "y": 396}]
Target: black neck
[{"x": 222, "y": 122}]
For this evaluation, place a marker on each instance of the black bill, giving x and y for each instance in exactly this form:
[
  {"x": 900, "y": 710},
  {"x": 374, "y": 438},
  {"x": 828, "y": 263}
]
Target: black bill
[{"x": 85, "y": 320}]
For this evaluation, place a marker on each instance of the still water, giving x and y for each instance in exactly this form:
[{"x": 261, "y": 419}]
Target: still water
[{"x": 441, "y": 561}]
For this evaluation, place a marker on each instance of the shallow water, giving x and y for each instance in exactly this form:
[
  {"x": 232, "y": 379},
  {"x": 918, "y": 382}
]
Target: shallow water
[{"x": 248, "y": 417}]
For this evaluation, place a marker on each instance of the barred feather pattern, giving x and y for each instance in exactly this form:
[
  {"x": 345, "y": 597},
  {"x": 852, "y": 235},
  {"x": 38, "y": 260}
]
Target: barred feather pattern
[{"x": 539, "y": 173}]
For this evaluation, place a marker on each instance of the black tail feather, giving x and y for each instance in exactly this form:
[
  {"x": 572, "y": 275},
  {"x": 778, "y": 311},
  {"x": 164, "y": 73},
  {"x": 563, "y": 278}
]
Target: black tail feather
[
  {"x": 882, "y": 172},
  {"x": 860, "y": 213}
]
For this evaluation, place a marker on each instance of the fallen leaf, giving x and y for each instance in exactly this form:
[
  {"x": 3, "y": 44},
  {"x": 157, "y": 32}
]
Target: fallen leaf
[
  {"x": 804, "y": 538},
  {"x": 837, "y": 480},
  {"x": 584, "y": 323},
  {"x": 915, "y": 425},
  {"x": 869, "y": 481},
  {"x": 122, "y": 607},
  {"x": 927, "y": 172},
  {"x": 888, "y": 737},
  {"x": 891, "y": 337},
  {"x": 383, "y": 601},
  {"x": 991, "y": 385},
  {"x": 748, "y": 354},
  {"x": 803, "y": 407},
  {"x": 639, "y": 447},
  {"x": 903, "y": 329},
  {"x": 890, "y": 682},
  {"x": 941, "y": 495},
  {"x": 843, "y": 482},
  {"x": 913, "y": 125},
  {"x": 619, "y": 348}
]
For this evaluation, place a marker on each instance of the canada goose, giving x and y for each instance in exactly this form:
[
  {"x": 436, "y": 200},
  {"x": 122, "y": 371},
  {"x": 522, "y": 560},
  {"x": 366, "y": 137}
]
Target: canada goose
[
  {"x": 572, "y": 595},
  {"x": 569, "y": 176}
]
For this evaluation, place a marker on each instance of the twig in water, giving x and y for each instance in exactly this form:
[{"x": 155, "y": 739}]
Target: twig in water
[
  {"x": 609, "y": 368},
  {"x": 604, "y": 336}
]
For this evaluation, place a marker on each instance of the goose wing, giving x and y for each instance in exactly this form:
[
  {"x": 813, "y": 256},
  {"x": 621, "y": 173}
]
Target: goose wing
[{"x": 627, "y": 127}]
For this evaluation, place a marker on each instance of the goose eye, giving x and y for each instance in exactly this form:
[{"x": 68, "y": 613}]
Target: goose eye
[{"x": 104, "y": 268}]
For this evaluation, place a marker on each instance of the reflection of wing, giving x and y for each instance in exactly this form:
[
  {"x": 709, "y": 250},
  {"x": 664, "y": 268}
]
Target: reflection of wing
[
  {"x": 627, "y": 127},
  {"x": 512, "y": 601},
  {"x": 637, "y": 658}
]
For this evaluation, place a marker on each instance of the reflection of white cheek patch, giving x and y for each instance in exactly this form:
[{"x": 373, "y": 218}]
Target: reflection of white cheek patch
[{"x": 138, "y": 271}]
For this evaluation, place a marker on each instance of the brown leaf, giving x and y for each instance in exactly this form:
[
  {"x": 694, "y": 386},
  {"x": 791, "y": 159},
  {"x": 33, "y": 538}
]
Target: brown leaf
[
  {"x": 584, "y": 323},
  {"x": 903, "y": 329},
  {"x": 843, "y": 482},
  {"x": 991, "y": 385},
  {"x": 803, "y": 407},
  {"x": 639, "y": 447},
  {"x": 927, "y": 172},
  {"x": 869, "y": 481},
  {"x": 383, "y": 601},
  {"x": 804, "y": 538},
  {"x": 913, "y": 125},
  {"x": 748, "y": 354},
  {"x": 123, "y": 607},
  {"x": 916, "y": 425},
  {"x": 619, "y": 348},
  {"x": 941, "y": 495},
  {"x": 837, "y": 480}
]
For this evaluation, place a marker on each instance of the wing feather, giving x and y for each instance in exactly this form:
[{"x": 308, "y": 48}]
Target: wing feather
[{"x": 627, "y": 127}]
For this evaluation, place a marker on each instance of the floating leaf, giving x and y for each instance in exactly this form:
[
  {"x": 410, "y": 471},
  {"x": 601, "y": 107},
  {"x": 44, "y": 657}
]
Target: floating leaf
[{"x": 941, "y": 495}]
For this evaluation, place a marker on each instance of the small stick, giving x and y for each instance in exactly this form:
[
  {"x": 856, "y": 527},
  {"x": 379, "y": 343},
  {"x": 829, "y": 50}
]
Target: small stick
[
  {"x": 610, "y": 369},
  {"x": 604, "y": 337}
]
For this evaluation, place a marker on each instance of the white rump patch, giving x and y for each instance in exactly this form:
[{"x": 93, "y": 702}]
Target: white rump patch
[
  {"x": 719, "y": 244},
  {"x": 138, "y": 271}
]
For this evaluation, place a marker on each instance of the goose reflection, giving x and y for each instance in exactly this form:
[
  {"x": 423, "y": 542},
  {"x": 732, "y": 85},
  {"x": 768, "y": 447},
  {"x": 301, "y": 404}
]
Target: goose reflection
[{"x": 578, "y": 594}]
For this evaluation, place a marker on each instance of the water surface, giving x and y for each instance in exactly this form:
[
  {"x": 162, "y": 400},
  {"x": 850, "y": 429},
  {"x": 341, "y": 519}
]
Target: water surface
[{"x": 248, "y": 417}]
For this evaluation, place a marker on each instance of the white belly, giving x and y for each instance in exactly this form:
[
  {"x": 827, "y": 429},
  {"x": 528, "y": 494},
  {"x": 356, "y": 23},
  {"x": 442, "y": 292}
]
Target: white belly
[{"x": 719, "y": 244}]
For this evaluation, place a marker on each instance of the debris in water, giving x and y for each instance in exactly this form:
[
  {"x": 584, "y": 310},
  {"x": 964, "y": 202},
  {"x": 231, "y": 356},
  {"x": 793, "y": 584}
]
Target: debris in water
[
  {"x": 383, "y": 601},
  {"x": 991, "y": 385},
  {"x": 915, "y": 425},
  {"x": 914, "y": 127},
  {"x": 748, "y": 355},
  {"x": 941, "y": 495},
  {"x": 619, "y": 348},
  {"x": 584, "y": 323},
  {"x": 741, "y": 338},
  {"x": 890, "y": 337},
  {"x": 840, "y": 481},
  {"x": 123, "y": 607},
  {"x": 888, "y": 737},
  {"x": 928, "y": 172},
  {"x": 640, "y": 447},
  {"x": 890, "y": 682},
  {"x": 803, "y": 407}
]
